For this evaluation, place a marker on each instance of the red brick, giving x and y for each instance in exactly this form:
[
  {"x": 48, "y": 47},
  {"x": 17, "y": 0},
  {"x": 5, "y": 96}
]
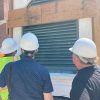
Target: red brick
[
  {"x": 1, "y": 9},
  {"x": 2, "y": 33}
]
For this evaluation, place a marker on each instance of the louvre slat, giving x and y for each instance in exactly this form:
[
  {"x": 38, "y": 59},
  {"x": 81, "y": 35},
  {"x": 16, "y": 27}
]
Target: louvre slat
[
  {"x": 51, "y": 25},
  {"x": 64, "y": 28},
  {"x": 54, "y": 30}
]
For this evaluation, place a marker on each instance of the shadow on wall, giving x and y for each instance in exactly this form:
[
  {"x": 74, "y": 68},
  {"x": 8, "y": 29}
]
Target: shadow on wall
[{"x": 60, "y": 98}]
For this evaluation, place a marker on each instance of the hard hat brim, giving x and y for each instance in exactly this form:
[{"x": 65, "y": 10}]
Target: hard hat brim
[
  {"x": 70, "y": 49},
  {"x": 8, "y": 51}
]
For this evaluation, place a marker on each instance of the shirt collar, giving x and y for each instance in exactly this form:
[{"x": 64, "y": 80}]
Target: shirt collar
[
  {"x": 26, "y": 57},
  {"x": 87, "y": 68}
]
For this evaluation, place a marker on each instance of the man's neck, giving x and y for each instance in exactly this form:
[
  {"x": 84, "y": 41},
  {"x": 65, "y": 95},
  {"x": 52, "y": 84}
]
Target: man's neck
[{"x": 83, "y": 66}]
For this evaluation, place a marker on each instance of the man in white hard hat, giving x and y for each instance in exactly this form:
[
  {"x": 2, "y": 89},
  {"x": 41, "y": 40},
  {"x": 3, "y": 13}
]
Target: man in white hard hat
[
  {"x": 30, "y": 81},
  {"x": 8, "y": 50},
  {"x": 9, "y": 47},
  {"x": 86, "y": 84}
]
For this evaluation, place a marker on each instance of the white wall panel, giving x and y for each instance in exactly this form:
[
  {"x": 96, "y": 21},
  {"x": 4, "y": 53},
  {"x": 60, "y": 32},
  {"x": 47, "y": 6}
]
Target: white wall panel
[
  {"x": 20, "y": 3},
  {"x": 85, "y": 28}
]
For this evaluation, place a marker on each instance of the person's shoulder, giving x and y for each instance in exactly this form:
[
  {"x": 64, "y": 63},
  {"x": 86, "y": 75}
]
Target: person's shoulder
[
  {"x": 7, "y": 66},
  {"x": 97, "y": 67},
  {"x": 42, "y": 69},
  {"x": 17, "y": 61}
]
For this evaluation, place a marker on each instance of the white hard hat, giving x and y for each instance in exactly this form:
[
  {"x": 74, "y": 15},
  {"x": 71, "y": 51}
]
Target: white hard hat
[
  {"x": 84, "y": 47},
  {"x": 9, "y": 45},
  {"x": 29, "y": 42}
]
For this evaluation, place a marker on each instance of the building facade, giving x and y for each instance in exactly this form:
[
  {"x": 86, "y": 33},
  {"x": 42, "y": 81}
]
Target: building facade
[
  {"x": 3, "y": 19},
  {"x": 57, "y": 24}
]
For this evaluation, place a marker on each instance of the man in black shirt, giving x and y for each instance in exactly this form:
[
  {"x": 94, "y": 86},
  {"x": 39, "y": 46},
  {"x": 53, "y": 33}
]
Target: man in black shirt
[{"x": 86, "y": 84}]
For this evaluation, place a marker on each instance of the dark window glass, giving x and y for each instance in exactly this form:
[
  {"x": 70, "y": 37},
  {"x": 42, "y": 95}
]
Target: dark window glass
[{"x": 35, "y": 2}]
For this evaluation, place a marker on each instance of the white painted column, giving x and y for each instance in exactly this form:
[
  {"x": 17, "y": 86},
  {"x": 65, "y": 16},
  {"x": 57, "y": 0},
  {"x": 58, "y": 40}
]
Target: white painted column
[
  {"x": 17, "y": 4},
  {"x": 85, "y": 28},
  {"x": 17, "y": 33}
]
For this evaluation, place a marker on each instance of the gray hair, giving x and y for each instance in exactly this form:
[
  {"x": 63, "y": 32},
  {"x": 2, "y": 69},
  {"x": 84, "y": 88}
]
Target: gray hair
[{"x": 91, "y": 61}]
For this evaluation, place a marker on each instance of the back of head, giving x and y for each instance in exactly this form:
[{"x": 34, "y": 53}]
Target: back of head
[
  {"x": 85, "y": 49},
  {"x": 29, "y": 43},
  {"x": 9, "y": 45}
]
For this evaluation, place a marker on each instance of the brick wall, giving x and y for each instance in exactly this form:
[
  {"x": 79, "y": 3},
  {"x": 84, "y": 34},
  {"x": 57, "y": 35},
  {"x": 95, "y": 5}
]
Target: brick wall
[
  {"x": 56, "y": 11},
  {"x": 2, "y": 33},
  {"x": 6, "y": 8},
  {"x": 60, "y": 10},
  {"x": 1, "y": 10},
  {"x": 3, "y": 16}
]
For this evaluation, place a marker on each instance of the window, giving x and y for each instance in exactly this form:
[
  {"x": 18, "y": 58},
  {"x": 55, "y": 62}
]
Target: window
[{"x": 35, "y": 2}]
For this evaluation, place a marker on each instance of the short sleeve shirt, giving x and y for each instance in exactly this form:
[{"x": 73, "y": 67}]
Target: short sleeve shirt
[{"x": 29, "y": 80}]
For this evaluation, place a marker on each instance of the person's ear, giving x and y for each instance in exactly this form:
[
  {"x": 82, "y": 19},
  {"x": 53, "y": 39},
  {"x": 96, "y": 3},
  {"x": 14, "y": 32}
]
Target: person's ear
[
  {"x": 77, "y": 59},
  {"x": 36, "y": 50},
  {"x": 22, "y": 50}
]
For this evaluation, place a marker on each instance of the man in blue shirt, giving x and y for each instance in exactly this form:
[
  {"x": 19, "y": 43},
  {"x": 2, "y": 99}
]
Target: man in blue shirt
[{"x": 28, "y": 79}]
